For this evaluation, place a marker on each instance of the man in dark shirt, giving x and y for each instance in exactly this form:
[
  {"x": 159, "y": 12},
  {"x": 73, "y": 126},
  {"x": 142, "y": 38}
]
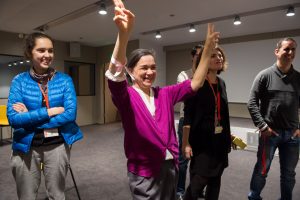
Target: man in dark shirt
[{"x": 273, "y": 106}]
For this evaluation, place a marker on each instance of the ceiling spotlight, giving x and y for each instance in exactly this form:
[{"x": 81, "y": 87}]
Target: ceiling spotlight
[
  {"x": 192, "y": 28},
  {"x": 157, "y": 35},
  {"x": 9, "y": 64},
  {"x": 102, "y": 10},
  {"x": 290, "y": 11},
  {"x": 42, "y": 29},
  {"x": 237, "y": 20},
  {"x": 21, "y": 35}
]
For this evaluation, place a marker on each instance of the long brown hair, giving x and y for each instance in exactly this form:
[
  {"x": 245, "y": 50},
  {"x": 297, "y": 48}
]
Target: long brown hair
[{"x": 30, "y": 43}]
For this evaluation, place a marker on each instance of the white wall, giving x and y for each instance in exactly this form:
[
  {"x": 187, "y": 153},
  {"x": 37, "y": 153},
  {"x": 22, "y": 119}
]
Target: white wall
[{"x": 246, "y": 59}]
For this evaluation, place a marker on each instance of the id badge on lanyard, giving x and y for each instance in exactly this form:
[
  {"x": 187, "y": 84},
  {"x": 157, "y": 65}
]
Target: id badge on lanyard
[
  {"x": 218, "y": 127},
  {"x": 52, "y": 132}
]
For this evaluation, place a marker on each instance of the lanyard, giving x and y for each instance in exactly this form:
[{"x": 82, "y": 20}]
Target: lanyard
[
  {"x": 44, "y": 94},
  {"x": 217, "y": 100}
]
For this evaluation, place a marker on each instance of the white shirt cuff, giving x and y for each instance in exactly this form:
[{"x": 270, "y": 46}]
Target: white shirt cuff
[{"x": 115, "y": 77}]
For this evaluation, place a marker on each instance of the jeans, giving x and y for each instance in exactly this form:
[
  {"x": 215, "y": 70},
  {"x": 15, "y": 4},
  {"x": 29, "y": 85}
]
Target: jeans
[
  {"x": 183, "y": 163},
  {"x": 288, "y": 158}
]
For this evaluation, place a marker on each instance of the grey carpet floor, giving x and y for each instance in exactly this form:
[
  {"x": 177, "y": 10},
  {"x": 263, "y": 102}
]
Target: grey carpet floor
[{"x": 99, "y": 166}]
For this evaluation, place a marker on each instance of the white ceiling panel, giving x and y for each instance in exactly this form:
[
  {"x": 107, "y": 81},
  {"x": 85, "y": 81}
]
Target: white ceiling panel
[{"x": 96, "y": 30}]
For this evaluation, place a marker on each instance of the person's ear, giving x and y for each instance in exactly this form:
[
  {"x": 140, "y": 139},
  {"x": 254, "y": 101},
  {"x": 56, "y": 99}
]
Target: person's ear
[{"x": 276, "y": 51}]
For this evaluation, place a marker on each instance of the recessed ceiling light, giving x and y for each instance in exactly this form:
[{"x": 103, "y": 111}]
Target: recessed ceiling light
[
  {"x": 290, "y": 11},
  {"x": 192, "y": 28},
  {"x": 237, "y": 20},
  {"x": 157, "y": 35}
]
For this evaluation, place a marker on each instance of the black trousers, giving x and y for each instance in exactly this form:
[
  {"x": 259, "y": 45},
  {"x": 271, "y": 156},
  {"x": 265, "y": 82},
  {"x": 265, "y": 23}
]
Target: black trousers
[{"x": 197, "y": 184}]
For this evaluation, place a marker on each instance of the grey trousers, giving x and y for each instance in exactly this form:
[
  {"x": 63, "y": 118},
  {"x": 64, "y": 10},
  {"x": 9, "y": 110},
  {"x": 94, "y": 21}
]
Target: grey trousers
[
  {"x": 162, "y": 187},
  {"x": 26, "y": 169}
]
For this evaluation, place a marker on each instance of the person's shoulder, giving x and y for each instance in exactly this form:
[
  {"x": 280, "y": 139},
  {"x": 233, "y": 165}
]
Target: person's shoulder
[
  {"x": 296, "y": 72},
  {"x": 184, "y": 75},
  {"x": 266, "y": 72},
  {"x": 61, "y": 75},
  {"x": 21, "y": 76},
  {"x": 189, "y": 73},
  {"x": 296, "y": 76},
  {"x": 221, "y": 80}
]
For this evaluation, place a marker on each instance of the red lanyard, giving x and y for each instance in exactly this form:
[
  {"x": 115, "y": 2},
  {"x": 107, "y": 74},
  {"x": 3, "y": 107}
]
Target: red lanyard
[
  {"x": 217, "y": 99},
  {"x": 45, "y": 95}
]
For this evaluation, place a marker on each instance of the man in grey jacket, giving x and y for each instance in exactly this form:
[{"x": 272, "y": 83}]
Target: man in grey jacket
[{"x": 273, "y": 106}]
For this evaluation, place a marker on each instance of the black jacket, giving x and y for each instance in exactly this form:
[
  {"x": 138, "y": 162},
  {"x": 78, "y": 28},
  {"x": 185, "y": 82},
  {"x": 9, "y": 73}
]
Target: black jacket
[{"x": 199, "y": 113}]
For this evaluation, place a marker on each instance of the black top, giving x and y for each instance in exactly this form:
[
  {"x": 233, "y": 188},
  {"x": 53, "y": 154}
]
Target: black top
[
  {"x": 274, "y": 99},
  {"x": 39, "y": 139},
  {"x": 199, "y": 112}
]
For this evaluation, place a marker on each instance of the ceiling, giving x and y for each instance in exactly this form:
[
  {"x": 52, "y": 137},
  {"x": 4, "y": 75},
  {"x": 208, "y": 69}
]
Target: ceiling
[{"x": 92, "y": 29}]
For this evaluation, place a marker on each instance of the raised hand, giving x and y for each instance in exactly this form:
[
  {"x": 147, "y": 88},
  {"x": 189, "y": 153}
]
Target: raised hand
[
  {"x": 124, "y": 19},
  {"x": 212, "y": 37},
  {"x": 118, "y": 3}
]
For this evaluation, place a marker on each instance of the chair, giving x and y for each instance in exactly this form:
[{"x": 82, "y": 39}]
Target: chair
[{"x": 3, "y": 121}]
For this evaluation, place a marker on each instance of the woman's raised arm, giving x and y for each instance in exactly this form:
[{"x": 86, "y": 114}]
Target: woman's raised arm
[
  {"x": 211, "y": 41},
  {"x": 124, "y": 20}
]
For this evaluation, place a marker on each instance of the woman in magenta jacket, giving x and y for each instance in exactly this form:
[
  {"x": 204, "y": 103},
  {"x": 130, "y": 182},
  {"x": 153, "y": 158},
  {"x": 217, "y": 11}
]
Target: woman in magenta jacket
[{"x": 147, "y": 112}]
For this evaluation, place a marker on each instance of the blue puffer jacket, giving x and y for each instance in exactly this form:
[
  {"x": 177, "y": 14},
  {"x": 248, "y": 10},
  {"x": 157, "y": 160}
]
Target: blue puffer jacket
[{"x": 61, "y": 93}]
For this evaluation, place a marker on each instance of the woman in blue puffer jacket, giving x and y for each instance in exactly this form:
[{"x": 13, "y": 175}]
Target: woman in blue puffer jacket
[{"x": 42, "y": 110}]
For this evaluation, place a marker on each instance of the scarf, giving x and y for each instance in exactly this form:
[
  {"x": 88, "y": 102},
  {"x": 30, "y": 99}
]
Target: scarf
[{"x": 42, "y": 78}]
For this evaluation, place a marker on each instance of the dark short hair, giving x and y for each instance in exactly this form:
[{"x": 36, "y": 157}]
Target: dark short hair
[
  {"x": 136, "y": 55},
  {"x": 194, "y": 49},
  {"x": 279, "y": 43},
  {"x": 225, "y": 63},
  {"x": 30, "y": 42}
]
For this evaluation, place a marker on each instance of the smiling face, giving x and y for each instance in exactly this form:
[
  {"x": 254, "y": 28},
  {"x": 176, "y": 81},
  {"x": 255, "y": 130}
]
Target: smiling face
[
  {"x": 286, "y": 52},
  {"x": 144, "y": 73},
  {"x": 216, "y": 61},
  {"x": 42, "y": 55}
]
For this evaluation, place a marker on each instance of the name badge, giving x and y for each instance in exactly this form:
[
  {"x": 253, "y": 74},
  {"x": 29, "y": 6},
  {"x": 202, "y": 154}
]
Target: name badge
[
  {"x": 53, "y": 132},
  {"x": 218, "y": 129}
]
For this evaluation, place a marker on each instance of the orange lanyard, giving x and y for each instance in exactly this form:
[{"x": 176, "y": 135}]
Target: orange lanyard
[
  {"x": 217, "y": 100},
  {"x": 44, "y": 95}
]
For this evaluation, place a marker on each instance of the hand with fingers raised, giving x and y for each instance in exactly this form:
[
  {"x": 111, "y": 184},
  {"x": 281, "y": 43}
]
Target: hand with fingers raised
[
  {"x": 118, "y": 3},
  {"x": 212, "y": 37},
  {"x": 124, "y": 19}
]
